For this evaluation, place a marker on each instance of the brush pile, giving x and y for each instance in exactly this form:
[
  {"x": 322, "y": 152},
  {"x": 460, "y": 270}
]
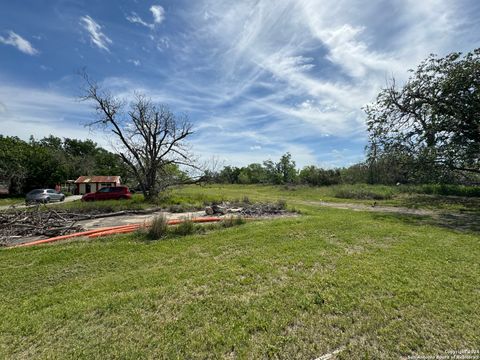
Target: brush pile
[
  {"x": 248, "y": 209},
  {"x": 20, "y": 223}
]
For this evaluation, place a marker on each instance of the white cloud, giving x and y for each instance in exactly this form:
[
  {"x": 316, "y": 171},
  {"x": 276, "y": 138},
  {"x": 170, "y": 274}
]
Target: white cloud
[
  {"x": 95, "y": 32},
  {"x": 19, "y": 42},
  {"x": 135, "y": 19},
  {"x": 158, "y": 13}
]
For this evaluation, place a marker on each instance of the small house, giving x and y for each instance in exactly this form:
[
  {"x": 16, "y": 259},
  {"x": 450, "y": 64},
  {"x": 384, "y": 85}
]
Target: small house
[{"x": 88, "y": 184}]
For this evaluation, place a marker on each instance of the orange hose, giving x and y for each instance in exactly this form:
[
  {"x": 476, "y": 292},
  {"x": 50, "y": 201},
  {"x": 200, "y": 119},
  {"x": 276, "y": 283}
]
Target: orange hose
[{"x": 119, "y": 229}]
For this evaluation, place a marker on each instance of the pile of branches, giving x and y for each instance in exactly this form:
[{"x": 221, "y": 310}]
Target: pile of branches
[
  {"x": 263, "y": 209},
  {"x": 43, "y": 221},
  {"x": 20, "y": 223},
  {"x": 247, "y": 209}
]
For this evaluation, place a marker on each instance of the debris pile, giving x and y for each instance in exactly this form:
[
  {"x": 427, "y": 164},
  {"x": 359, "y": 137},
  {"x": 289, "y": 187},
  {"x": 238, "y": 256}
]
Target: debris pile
[
  {"x": 30, "y": 222},
  {"x": 247, "y": 209}
]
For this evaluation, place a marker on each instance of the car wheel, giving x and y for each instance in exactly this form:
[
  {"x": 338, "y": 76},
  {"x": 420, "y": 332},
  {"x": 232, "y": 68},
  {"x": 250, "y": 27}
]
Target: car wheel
[
  {"x": 62, "y": 198},
  {"x": 46, "y": 201}
]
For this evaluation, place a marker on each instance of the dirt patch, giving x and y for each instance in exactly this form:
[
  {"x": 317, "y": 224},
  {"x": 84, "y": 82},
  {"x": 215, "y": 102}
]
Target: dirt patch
[{"x": 373, "y": 207}]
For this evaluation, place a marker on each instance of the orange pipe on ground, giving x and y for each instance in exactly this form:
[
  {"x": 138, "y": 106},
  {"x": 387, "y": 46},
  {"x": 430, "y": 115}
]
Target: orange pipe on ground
[
  {"x": 63, "y": 237},
  {"x": 120, "y": 229},
  {"x": 137, "y": 226},
  {"x": 115, "y": 231}
]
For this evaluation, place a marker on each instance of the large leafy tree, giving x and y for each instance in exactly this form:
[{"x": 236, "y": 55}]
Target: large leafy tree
[
  {"x": 281, "y": 172},
  {"x": 434, "y": 118},
  {"x": 13, "y": 155}
]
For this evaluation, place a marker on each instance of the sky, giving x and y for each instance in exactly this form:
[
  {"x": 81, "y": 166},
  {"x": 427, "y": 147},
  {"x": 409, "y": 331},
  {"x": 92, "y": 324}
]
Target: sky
[{"x": 257, "y": 78}]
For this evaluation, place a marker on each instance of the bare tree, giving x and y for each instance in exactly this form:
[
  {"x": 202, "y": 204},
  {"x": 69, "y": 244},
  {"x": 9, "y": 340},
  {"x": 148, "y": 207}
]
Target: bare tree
[{"x": 149, "y": 137}]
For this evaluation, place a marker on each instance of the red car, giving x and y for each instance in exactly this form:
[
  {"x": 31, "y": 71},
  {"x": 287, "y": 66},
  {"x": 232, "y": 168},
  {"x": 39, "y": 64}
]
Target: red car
[{"x": 109, "y": 193}]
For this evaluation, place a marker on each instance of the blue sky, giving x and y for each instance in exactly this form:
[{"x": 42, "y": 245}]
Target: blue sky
[{"x": 256, "y": 78}]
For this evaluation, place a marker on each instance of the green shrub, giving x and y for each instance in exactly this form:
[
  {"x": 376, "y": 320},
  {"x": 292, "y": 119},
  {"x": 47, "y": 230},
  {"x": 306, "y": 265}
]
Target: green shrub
[
  {"x": 281, "y": 204},
  {"x": 159, "y": 228},
  {"x": 232, "y": 221},
  {"x": 451, "y": 190},
  {"x": 186, "y": 227},
  {"x": 362, "y": 194}
]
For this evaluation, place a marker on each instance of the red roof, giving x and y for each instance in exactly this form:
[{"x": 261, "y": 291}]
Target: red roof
[{"x": 98, "y": 179}]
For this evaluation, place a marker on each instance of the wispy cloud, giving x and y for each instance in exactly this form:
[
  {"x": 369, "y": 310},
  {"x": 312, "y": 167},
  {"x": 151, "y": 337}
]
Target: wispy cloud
[
  {"x": 19, "y": 42},
  {"x": 158, "y": 13},
  {"x": 135, "y": 19},
  {"x": 95, "y": 31},
  {"x": 41, "y": 112}
]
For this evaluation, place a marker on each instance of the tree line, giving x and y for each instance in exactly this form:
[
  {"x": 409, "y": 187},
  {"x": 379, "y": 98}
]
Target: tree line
[
  {"x": 284, "y": 171},
  {"x": 385, "y": 170},
  {"x": 25, "y": 165}
]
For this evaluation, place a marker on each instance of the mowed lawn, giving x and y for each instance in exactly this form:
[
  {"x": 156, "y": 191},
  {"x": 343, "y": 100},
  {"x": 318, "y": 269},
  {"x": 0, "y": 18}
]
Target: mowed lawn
[{"x": 369, "y": 284}]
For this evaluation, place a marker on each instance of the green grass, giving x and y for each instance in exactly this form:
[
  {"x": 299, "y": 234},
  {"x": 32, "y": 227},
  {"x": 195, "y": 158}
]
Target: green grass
[
  {"x": 12, "y": 200},
  {"x": 209, "y": 193},
  {"x": 381, "y": 286},
  {"x": 403, "y": 196}
]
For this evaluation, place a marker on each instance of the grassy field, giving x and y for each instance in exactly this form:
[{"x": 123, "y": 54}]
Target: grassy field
[
  {"x": 372, "y": 285},
  {"x": 410, "y": 197}
]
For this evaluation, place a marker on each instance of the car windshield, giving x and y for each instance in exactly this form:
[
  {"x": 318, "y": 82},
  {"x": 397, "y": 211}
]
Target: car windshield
[{"x": 35, "y": 192}]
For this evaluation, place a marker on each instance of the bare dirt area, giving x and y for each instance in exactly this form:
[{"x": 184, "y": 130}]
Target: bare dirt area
[{"x": 373, "y": 207}]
